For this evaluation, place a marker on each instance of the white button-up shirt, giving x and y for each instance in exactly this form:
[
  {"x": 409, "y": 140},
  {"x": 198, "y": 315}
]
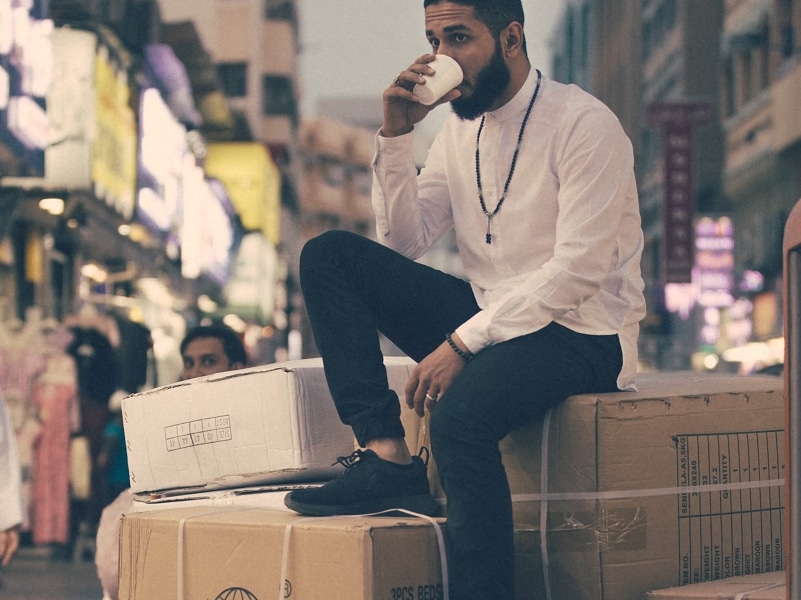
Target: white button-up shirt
[{"x": 566, "y": 244}]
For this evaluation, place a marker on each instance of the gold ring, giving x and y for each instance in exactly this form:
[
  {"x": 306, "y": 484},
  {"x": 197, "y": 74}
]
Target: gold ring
[
  {"x": 430, "y": 398},
  {"x": 397, "y": 80}
]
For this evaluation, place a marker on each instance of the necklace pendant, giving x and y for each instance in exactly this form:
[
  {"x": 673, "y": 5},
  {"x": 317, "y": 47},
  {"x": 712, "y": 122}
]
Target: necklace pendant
[{"x": 488, "y": 238}]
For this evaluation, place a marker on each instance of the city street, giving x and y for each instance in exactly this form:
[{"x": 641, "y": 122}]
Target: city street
[{"x": 33, "y": 575}]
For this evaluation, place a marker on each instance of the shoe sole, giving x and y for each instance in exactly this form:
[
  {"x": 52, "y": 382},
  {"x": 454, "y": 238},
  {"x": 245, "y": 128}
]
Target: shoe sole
[{"x": 423, "y": 504}]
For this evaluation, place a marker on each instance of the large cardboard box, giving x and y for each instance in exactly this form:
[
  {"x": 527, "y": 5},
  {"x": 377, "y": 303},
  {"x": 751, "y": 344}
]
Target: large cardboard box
[
  {"x": 763, "y": 586},
  {"x": 678, "y": 483},
  {"x": 267, "y": 424},
  {"x": 236, "y": 552}
]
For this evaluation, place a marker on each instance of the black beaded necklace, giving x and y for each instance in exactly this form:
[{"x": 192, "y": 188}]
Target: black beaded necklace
[{"x": 514, "y": 161}]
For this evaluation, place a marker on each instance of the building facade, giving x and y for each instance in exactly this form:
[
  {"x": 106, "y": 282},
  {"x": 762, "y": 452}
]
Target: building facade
[{"x": 761, "y": 84}]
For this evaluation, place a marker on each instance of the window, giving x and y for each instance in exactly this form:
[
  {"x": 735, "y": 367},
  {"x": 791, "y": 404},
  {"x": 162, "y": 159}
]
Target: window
[
  {"x": 279, "y": 97},
  {"x": 233, "y": 79},
  {"x": 280, "y": 10},
  {"x": 729, "y": 94}
]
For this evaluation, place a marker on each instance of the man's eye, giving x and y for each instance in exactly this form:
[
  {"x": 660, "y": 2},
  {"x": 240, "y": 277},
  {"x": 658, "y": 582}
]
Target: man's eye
[
  {"x": 457, "y": 38},
  {"x": 434, "y": 43},
  {"x": 209, "y": 362}
]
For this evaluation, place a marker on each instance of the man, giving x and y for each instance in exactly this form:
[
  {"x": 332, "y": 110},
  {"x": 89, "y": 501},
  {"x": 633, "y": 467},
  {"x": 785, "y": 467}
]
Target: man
[
  {"x": 205, "y": 350},
  {"x": 536, "y": 179},
  {"x": 208, "y": 349},
  {"x": 10, "y": 488}
]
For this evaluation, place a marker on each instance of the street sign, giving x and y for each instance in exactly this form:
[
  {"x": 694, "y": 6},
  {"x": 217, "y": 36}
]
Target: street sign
[{"x": 677, "y": 121}]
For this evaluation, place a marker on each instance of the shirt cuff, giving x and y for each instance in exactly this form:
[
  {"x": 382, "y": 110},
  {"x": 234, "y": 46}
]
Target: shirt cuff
[
  {"x": 474, "y": 332},
  {"x": 395, "y": 147}
]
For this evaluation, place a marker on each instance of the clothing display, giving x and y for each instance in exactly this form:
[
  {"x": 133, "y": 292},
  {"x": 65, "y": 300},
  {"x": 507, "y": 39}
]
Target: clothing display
[
  {"x": 54, "y": 394},
  {"x": 57, "y": 379},
  {"x": 21, "y": 362}
]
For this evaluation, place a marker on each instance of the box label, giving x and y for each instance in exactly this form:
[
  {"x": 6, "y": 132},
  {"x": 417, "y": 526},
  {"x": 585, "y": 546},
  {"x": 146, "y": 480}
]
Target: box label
[
  {"x": 730, "y": 532},
  {"x": 198, "y": 432}
]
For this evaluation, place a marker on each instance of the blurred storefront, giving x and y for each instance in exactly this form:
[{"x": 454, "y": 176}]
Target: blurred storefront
[
  {"x": 114, "y": 239},
  {"x": 109, "y": 188}
]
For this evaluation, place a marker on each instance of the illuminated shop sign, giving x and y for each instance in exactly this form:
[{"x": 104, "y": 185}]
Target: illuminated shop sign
[
  {"x": 27, "y": 120},
  {"x": 163, "y": 148},
  {"x": 712, "y": 284},
  {"x": 251, "y": 290},
  {"x": 67, "y": 122},
  {"x": 207, "y": 235},
  {"x": 713, "y": 272},
  {"x": 253, "y": 182},
  {"x": 5, "y": 88},
  {"x": 115, "y": 144},
  {"x": 26, "y": 73},
  {"x": 678, "y": 122},
  {"x": 168, "y": 74}
]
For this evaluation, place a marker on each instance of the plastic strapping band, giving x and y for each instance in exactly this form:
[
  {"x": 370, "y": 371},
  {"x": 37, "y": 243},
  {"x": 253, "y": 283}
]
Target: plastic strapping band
[
  {"x": 546, "y": 426},
  {"x": 745, "y": 595},
  {"x": 646, "y": 493},
  {"x": 437, "y": 529},
  {"x": 181, "y": 523}
]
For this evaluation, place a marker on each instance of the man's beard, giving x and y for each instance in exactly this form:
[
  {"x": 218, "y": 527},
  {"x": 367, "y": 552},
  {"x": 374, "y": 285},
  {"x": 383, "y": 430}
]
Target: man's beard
[{"x": 491, "y": 82}]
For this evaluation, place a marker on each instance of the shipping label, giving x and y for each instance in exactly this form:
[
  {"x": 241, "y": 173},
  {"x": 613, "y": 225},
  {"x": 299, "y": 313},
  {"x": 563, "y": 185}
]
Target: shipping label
[
  {"x": 733, "y": 525},
  {"x": 198, "y": 432}
]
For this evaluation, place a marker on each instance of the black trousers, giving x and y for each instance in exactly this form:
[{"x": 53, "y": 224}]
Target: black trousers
[{"x": 354, "y": 288}]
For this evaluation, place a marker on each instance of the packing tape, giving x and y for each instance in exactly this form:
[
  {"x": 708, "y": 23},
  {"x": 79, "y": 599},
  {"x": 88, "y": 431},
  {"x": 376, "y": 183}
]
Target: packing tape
[
  {"x": 745, "y": 595},
  {"x": 545, "y": 496},
  {"x": 437, "y": 530}
]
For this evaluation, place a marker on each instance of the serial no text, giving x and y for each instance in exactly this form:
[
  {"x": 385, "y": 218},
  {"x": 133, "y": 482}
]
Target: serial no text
[{"x": 198, "y": 432}]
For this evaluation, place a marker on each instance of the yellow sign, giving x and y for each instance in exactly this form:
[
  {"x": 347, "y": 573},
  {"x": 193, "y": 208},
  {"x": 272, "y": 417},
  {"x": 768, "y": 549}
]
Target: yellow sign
[
  {"x": 114, "y": 148},
  {"x": 253, "y": 183}
]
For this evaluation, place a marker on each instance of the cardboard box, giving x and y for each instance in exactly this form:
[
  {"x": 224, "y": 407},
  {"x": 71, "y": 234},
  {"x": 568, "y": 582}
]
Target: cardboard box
[
  {"x": 254, "y": 553},
  {"x": 764, "y": 586},
  {"x": 267, "y": 424},
  {"x": 676, "y": 484}
]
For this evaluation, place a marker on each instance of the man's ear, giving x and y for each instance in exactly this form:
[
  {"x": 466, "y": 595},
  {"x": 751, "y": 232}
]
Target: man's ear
[{"x": 512, "y": 38}]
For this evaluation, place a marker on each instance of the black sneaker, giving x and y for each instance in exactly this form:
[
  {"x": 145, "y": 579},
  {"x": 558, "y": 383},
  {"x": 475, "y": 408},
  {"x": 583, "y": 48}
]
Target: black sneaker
[{"x": 368, "y": 485}]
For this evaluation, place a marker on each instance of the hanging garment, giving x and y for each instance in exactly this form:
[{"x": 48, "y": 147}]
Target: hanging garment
[{"x": 55, "y": 396}]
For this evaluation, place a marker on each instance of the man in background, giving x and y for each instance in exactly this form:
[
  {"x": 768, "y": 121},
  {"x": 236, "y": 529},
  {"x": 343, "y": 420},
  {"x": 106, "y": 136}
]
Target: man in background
[
  {"x": 209, "y": 349},
  {"x": 205, "y": 350}
]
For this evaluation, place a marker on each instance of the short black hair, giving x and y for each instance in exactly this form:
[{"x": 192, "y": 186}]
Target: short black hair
[
  {"x": 495, "y": 14},
  {"x": 232, "y": 344}
]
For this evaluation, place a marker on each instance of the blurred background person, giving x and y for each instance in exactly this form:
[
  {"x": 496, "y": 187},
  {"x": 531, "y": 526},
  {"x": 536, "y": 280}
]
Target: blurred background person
[
  {"x": 113, "y": 458},
  {"x": 205, "y": 350},
  {"x": 10, "y": 489},
  {"x": 209, "y": 349}
]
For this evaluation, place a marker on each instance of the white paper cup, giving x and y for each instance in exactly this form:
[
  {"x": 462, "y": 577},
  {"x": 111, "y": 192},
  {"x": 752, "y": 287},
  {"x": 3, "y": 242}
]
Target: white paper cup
[{"x": 448, "y": 75}]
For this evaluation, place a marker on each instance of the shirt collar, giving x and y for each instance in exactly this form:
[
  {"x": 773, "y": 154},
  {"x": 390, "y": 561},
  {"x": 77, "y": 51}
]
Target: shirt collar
[{"x": 519, "y": 102}]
